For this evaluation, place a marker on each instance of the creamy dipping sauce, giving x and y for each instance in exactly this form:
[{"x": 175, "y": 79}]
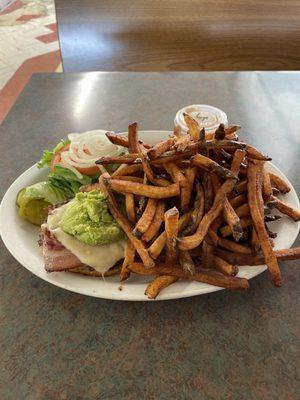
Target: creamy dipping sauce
[{"x": 208, "y": 117}]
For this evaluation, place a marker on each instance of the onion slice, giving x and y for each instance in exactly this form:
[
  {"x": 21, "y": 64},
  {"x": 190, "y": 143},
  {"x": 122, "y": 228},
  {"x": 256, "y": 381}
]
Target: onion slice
[{"x": 86, "y": 148}]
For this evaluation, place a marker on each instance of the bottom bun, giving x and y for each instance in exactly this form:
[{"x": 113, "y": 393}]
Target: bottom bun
[{"x": 86, "y": 270}]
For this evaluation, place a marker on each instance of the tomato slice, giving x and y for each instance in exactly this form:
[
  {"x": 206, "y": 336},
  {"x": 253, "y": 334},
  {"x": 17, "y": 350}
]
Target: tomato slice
[{"x": 56, "y": 160}]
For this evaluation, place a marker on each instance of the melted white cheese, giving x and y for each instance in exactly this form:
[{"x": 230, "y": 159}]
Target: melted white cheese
[{"x": 101, "y": 258}]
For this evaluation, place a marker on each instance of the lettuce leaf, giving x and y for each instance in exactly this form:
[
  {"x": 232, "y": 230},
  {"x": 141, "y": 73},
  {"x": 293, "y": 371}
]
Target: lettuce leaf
[
  {"x": 48, "y": 155},
  {"x": 65, "y": 179},
  {"x": 61, "y": 185},
  {"x": 46, "y": 191}
]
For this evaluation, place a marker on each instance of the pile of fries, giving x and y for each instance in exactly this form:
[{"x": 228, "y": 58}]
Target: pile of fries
[{"x": 197, "y": 206}]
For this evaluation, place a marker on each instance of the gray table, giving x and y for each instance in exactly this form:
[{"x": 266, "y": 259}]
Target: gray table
[{"x": 225, "y": 345}]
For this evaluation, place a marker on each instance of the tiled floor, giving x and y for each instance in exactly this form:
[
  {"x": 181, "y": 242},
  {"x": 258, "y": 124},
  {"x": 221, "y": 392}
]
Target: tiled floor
[{"x": 28, "y": 44}]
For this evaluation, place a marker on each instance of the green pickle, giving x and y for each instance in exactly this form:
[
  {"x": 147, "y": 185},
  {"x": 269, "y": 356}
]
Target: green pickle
[
  {"x": 20, "y": 196},
  {"x": 32, "y": 210}
]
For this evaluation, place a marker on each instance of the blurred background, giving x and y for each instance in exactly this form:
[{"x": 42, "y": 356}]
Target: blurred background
[{"x": 142, "y": 35}]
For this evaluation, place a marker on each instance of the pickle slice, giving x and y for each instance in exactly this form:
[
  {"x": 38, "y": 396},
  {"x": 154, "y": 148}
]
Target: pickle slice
[
  {"x": 34, "y": 211},
  {"x": 20, "y": 197}
]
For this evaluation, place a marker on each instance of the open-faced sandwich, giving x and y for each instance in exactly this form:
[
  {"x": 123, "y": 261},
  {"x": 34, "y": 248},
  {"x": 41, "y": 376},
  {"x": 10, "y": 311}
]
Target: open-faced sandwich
[
  {"x": 82, "y": 236},
  {"x": 194, "y": 206}
]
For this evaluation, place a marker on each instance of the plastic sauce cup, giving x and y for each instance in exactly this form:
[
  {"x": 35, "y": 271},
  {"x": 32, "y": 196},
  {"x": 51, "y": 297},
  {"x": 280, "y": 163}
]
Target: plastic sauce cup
[{"x": 208, "y": 117}]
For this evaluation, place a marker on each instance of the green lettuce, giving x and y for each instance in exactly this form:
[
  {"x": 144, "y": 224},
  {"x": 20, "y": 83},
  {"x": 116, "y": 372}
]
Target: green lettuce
[
  {"x": 66, "y": 180},
  {"x": 48, "y": 154}
]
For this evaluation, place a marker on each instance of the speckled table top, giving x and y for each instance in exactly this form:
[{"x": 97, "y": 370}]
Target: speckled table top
[{"x": 225, "y": 345}]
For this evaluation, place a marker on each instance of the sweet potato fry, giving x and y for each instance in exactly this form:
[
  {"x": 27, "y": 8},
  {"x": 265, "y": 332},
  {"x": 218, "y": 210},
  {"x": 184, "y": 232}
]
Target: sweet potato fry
[
  {"x": 238, "y": 201},
  {"x": 232, "y": 136},
  {"x": 208, "y": 192},
  {"x": 182, "y": 143},
  {"x": 146, "y": 219},
  {"x": 176, "y": 175},
  {"x": 202, "y": 138},
  {"x": 172, "y": 229},
  {"x": 142, "y": 201},
  {"x": 285, "y": 208},
  {"x": 272, "y": 218},
  {"x": 227, "y": 156},
  {"x": 232, "y": 129},
  {"x": 129, "y": 178},
  {"x": 186, "y": 261},
  {"x": 211, "y": 166},
  {"x": 158, "y": 245},
  {"x": 124, "y": 159},
  {"x": 224, "y": 267},
  {"x": 254, "y": 170},
  {"x": 158, "y": 284},
  {"x": 243, "y": 210},
  {"x": 122, "y": 221},
  {"x": 232, "y": 220},
  {"x": 215, "y": 183},
  {"x": 207, "y": 255},
  {"x": 259, "y": 187},
  {"x": 275, "y": 191},
  {"x": 193, "y": 127},
  {"x": 245, "y": 222},
  {"x": 267, "y": 187},
  {"x": 279, "y": 183},
  {"x": 243, "y": 170},
  {"x": 127, "y": 170},
  {"x": 258, "y": 259},
  {"x": 211, "y": 277},
  {"x": 228, "y": 244},
  {"x": 253, "y": 153},
  {"x": 140, "y": 189},
  {"x": 187, "y": 187},
  {"x": 117, "y": 139},
  {"x": 133, "y": 142},
  {"x": 190, "y": 242},
  {"x": 160, "y": 148},
  {"x": 220, "y": 132},
  {"x": 190, "y": 174},
  {"x": 130, "y": 207},
  {"x": 123, "y": 141},
  {"x": 148, "y": 170},
  {"x": 156, "y": 223},
  {"x": 241, "y": 186},
  {"x": 128, "y": 259},
  {"x": 254, "y": 240},
  {"x": 288, "y": 254},
  {"x": 173, "y": 156},
  {"x": 227, "y": 145},
  {"x": 232, "y": 246},
  {"x": 198, "y": 211}
]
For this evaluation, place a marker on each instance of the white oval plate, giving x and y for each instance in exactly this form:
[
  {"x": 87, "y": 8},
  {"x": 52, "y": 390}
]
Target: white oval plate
[{"x": 21, "y": 238}]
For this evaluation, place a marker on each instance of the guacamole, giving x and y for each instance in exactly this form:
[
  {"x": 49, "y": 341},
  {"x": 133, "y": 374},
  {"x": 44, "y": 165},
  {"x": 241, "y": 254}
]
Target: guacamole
[{"x": 88, "y": 219}]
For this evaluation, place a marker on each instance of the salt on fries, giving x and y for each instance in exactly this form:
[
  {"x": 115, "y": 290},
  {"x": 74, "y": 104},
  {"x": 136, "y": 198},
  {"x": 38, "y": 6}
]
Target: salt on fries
[{"x": 197, "y": 206}]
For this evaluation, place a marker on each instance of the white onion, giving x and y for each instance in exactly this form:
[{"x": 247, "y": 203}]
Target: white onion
[{"x": 95, "y": 142}]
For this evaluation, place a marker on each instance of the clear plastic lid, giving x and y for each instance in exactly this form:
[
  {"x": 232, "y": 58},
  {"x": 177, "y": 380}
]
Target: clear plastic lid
[{"x": 208, "y": 117}]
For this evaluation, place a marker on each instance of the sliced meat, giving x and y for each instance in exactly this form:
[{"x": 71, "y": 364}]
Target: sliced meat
[{"x": 56, "y": 256}]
